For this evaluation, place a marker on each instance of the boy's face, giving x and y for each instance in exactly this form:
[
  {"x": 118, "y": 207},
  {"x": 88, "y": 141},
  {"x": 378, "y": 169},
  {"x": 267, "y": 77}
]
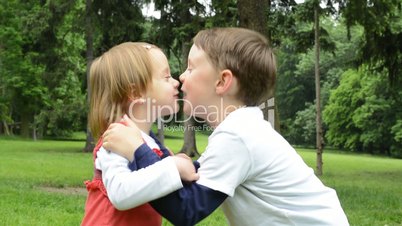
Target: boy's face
[{"x": 199, "y": 82}]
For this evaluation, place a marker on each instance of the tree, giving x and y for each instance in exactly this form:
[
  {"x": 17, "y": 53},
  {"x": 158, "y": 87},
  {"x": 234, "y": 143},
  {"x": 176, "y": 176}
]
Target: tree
[
  {"x": 115, "y": 22},
  {"x": 89, "y": 144},
  {"x": 189, "y": 146},
  {"x": 361, "y": 116},
  {"x": 319, "y": 138},
  {"x": 295, "y": 84},
  {"x": 254, "y": 15},
  {"x": 41, "y": 59},
  {"x": 176, "y": 38},
  {"x": 103, "y": 30},
  {"x": 382, "y": 23}
]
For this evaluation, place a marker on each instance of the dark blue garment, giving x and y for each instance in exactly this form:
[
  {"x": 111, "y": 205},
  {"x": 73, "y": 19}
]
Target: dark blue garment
[{"x": 186, "y": 206}]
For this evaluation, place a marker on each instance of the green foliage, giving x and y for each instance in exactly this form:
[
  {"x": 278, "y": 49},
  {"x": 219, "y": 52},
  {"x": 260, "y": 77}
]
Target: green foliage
[
  {"x": 42, "y": 63},
  {"x": 341, "y": 130},
  {"x": 361, "y": 114},
  {"x": 302, "y": 31},
  {"x": 382, "y": 21},
  {"x": 115, "y": 22},
  {"x": 224, "y": 14},
  {"x": 295, "y": 91},
  {"x": 302, "y": 129},
  {"x": 186, "y": 19},
  {"x": 41, "y": 55},
  {"x": 66, "y": 113},
  {"x": 21, "y": 73}
]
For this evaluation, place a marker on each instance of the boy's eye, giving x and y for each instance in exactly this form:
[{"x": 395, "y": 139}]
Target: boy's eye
[
  {"x": 189, "y": 70},
  {"x": 167, "y": 77}
]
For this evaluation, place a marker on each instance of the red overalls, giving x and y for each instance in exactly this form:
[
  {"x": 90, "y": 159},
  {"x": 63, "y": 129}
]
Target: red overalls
[{"x": 99, "y": 211}]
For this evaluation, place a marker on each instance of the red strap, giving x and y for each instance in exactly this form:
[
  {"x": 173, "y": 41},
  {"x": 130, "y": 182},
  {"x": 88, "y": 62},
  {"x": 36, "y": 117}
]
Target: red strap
[{"x": 158, "y": 152}]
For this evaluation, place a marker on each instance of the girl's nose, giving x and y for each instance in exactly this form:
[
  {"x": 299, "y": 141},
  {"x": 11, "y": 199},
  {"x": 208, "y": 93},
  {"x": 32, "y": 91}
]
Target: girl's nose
[
  {"x": 182, "y": 77},
  {"x": 175, "y": 83}
]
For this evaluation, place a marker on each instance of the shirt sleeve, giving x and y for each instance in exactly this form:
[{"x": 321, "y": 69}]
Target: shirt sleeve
[
  {"x": 143, "y": 157},
  {"x": 225, "y": 164},
  {"x": 189, "y": 205},
  {"x": 128, "y": 189}
]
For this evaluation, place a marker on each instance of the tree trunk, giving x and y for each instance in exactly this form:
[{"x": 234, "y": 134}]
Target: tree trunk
[
  {"x": 34, "y": 133},
  {"x": 24, "y": 126},
  {"x": 89, "y": 144},
  {"x": 6, "y": 130},
  {"x": 319, "y": 138},
  {"x": 189, "y": 146},
  {"x": 253, "y": 14},
  {"x": 161, "y": 132}
]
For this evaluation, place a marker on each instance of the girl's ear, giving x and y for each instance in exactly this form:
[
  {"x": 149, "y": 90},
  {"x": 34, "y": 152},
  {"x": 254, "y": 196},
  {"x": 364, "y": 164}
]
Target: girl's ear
[
  {"x": 134, "y": 94},
  {"x": 225, "y": 82},
  {"x": 135, "y": 97}
]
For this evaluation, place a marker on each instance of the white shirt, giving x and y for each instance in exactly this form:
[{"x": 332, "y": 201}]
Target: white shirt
[
  {"x": 128, "y": 189},
  {"x": 267, "y": 182}
]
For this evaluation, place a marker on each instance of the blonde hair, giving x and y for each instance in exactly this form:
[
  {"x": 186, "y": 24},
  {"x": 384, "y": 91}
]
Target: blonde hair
[
  {"x": 247, "y": 54},
  {"x": 118, "y": 75}
]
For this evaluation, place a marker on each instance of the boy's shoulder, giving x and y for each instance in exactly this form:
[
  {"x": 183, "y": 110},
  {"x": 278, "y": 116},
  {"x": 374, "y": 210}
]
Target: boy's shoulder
[
  {"x": 243, "y": 118},
  {"x": 244, "y": 123}
]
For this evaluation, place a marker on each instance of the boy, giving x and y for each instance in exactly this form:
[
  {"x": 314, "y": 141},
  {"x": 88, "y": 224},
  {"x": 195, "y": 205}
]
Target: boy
[{"x": 247, "y": 167}]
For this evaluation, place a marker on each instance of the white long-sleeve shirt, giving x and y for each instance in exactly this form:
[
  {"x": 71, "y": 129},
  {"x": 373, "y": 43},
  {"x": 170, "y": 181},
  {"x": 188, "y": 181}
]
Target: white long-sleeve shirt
[{"x": 128, "y": 189}]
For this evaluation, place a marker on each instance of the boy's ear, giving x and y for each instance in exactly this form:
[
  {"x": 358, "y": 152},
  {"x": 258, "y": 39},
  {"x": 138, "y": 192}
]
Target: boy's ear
[{"x": 225, "y": 82}]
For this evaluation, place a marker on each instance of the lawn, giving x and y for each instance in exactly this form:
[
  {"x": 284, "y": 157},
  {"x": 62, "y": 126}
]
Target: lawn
[{"x": 41, "y": 183}]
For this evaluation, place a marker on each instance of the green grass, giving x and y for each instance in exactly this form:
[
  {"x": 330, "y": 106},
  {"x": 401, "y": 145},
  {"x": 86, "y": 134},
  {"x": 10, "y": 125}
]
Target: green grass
[
  {"x": 26, "y": 167},
  {"x": 370, "y": 188}
]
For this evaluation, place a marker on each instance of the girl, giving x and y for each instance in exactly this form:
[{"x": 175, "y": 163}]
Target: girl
[{"x": 132, "y": 78}]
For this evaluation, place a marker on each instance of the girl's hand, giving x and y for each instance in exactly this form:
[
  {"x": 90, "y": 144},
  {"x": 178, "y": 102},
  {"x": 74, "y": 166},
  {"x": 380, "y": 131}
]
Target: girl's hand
[
  {"x": 123, "y": 139},
  {"x": 186, "y": 168}
]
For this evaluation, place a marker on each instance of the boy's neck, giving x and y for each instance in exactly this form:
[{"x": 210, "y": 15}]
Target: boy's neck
[{"x": 217, "y": 114}]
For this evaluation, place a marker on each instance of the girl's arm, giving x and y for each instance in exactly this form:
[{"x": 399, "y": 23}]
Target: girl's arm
[{"x": 127, "y": 189}]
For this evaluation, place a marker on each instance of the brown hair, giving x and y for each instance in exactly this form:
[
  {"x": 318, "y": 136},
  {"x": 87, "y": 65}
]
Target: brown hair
[
  {"x": 118, "y": 75},
  {"x": 247, "y": 54}
]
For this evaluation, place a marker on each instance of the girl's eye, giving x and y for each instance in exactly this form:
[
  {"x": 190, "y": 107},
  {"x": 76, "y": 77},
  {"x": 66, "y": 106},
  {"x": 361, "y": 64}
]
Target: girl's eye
[
  {"x": 167, "y": 77},
  {"x": 189, "y": 70}
]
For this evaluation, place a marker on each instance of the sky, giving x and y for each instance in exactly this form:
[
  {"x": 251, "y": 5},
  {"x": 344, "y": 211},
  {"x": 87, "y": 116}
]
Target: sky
[{"x": 149, "y": 10}]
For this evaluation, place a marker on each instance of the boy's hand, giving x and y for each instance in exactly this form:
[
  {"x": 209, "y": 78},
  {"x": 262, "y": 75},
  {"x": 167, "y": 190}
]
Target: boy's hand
[
  {"x": 186, "y": 168},
  {"x": 123, "y": 139}
]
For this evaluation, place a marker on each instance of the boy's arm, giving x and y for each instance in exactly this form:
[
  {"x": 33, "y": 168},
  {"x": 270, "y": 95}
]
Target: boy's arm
[
  {"x": 224, "y": 165},
  {"x": 143, "y": 157},
  {"x": 128, "y": 189},
  {"x": 191, "y": 204}
]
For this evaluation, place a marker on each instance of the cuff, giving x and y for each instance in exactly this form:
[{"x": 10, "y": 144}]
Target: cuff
[{"x": 143, "y": 157}]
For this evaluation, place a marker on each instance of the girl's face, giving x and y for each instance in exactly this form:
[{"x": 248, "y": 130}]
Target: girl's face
[{"x": 163, "y": 92}]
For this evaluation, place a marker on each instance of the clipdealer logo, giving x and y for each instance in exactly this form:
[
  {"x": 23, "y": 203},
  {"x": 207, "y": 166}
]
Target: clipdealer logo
[{"x": 165, "y": 114}]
